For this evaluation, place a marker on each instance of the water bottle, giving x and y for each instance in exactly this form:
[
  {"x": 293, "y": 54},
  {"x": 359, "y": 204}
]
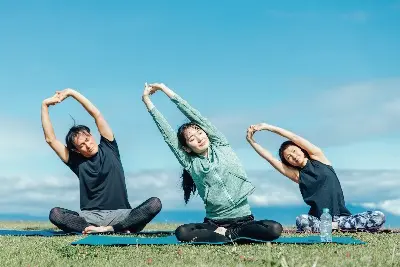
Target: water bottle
[{"x": 326, "y": 226}]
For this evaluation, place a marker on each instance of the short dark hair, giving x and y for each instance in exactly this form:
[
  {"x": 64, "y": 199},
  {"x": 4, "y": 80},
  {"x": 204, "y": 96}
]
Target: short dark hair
[{"x": 74, "y": 132}]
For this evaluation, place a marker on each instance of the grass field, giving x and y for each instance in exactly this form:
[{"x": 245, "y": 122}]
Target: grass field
[{"x": 380, "y": 250}]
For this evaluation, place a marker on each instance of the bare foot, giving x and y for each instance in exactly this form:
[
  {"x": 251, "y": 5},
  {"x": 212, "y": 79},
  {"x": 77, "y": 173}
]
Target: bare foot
[
  {"x": 97, "y": 229},
  {"x": 220, "y": 230}
]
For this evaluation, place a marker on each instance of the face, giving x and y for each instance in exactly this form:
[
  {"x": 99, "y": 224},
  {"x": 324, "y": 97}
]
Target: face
[
  {"x": 196, "y": 140},
  {"x": 294, "y": 156},
  {"x": 85, "y": 144}
]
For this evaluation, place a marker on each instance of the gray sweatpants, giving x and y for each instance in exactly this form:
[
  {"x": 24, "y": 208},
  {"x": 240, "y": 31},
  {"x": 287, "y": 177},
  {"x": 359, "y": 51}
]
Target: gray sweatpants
[{"x": 104, "y": 217}]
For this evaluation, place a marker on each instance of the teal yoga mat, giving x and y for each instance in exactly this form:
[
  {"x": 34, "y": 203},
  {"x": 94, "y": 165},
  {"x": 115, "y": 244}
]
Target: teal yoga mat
[
  {"x": 50, "y": 232},
  {"x": 100, "y": 240}
]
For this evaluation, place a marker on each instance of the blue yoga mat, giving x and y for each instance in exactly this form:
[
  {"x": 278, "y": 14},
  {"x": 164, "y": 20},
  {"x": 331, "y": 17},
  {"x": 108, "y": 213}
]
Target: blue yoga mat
[
  {"x": 100, "y": 240},
  {"x": 50, "y": 232},
  {"x": 47, "y": 233}
]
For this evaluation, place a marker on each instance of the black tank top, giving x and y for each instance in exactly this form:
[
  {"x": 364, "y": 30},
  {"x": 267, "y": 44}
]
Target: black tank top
[{"x": 320, "y": 188}]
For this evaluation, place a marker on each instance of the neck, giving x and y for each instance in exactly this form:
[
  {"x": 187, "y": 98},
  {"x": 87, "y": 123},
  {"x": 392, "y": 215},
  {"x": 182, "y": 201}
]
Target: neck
[
  {"x": 204, "y": 153},
  {"x": 304, "y": 162}
]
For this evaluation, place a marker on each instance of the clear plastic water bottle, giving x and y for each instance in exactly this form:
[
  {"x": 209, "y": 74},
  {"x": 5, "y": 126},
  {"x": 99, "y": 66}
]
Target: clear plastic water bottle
[{"x": 326, "y": 226}]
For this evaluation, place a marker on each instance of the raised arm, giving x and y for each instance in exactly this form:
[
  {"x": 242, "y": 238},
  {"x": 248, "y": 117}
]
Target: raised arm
[
  {"x": 289, "y": 172},
  {"x": 166, "y": 130},
  {"x": 49, "y": 135},
  {"x": 102, "y": 125},
  {"x": 314, "y": 151},
  {"x": 193, "y": 115}
]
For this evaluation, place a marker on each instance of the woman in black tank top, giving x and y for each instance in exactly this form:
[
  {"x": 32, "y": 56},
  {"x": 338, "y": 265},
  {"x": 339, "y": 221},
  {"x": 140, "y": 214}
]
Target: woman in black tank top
[{"x": 305, "y": 164}]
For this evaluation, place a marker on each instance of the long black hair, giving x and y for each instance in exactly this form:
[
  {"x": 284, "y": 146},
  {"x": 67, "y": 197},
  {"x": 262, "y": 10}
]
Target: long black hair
[
  {"x": 188, "y": 185},
  {"x": 285, "y": 145}
]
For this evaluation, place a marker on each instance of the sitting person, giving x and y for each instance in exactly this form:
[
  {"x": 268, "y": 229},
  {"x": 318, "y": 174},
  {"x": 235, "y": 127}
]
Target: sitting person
[
  {"x": 213, "y": 168},
  {"x": 103, "y": 195},
  {"x": 306, "y": 164}
]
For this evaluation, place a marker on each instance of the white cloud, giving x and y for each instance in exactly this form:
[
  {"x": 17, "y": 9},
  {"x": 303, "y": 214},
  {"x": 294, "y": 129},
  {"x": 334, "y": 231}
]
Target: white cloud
[
  {"x": 391, "y": 205},
  {"x": 36, "y": 196},
  {"x": 337, "y": 116}
]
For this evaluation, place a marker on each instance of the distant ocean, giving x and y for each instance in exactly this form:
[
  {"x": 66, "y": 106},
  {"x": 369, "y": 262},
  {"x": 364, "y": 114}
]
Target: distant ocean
[{"x": 285, "y": 215}]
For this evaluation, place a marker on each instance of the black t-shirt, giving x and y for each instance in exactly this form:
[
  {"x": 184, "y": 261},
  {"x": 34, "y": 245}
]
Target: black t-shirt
[
  {"x": 101, "y": 178},
  {"x": 320, "y": 188}
]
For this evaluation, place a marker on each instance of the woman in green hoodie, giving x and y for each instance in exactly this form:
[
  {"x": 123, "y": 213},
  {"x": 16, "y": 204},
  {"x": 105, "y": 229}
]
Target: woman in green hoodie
[{"x": 212, "y": 168}]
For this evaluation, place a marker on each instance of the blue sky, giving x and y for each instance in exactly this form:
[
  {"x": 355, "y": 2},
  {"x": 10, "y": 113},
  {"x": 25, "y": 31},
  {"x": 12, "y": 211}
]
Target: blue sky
[{"x": 329, "y": 73}]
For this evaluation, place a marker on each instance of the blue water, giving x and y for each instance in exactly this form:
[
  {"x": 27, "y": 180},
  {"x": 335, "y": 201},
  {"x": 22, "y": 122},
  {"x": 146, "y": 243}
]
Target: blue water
[{"x": 285, "y": 215}]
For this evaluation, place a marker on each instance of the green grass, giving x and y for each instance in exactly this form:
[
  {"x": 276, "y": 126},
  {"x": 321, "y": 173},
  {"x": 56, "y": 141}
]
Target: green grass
[{"x": 381, "y": 250}]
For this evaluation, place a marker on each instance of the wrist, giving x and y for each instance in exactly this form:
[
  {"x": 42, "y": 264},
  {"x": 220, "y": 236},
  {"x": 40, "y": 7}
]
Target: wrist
[
  {"x": 268, "y": 127},
  {"x": 71, "y": 92}
]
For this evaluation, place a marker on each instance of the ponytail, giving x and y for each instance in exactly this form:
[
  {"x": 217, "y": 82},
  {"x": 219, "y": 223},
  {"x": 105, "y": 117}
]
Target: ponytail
[{"x": 188, "y": 185}]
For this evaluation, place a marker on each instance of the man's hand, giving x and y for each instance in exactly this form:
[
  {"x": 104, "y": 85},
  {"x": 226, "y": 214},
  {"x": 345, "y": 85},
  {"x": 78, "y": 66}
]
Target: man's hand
[
  {"x": 51, "y": 100},
  {"x": 64, "y": 93}
]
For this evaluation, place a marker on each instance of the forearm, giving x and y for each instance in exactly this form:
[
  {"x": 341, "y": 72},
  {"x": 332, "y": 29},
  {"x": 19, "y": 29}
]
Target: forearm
[
  {"x": 168, "y": 92},
  {"x": 90, "y": 108},
  {"x": 261, "y": 151},
  {"x": 282, "y": 132},
  {"x": 148, "y": 103},
  {"x": 169, "y": 136},
  {"x": 46, "y": 124}
]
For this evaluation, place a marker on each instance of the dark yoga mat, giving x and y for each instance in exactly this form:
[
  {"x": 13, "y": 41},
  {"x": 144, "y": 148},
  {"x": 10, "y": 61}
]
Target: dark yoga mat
[
  {"x": 50, "y": 232},
  {"x": 100, "y": 240}
]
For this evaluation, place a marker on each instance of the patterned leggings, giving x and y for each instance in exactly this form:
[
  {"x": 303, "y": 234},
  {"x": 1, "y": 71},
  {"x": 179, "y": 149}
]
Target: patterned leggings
[{"x": 369, "y": 220}]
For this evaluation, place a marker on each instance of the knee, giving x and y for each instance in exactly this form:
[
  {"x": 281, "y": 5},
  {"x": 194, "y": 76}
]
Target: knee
[
  {"x": 54, "y": 215},
  {"x": 155, "y": 205},
  {"x": 182, "y": 232},
  {"x": 275, "y": 229},
  {"x": 379, "y": 217},
  {"x": 302, "y": 220}
]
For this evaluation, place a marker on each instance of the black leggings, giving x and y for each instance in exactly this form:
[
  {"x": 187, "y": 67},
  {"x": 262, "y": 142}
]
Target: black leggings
[
  {"x": 138, "y": 218},
  {"x": 266, "y": 230},
  {"x": 67, "y": 220}
]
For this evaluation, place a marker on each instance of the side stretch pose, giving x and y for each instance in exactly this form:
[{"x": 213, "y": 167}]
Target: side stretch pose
[
  {"x": 211, "y": 167},
  {"x": 103, "y": 194},
  {"x": 306, "y": 164}
]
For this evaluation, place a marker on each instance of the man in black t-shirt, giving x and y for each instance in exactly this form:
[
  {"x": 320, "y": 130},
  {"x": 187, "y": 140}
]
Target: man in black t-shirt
[{"x": 103, "y": 196}]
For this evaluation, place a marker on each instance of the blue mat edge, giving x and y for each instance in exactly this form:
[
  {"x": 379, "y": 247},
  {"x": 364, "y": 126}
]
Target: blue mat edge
[
  {"x": 335, "y": 240},
  {"x": 52, "y": 232}
]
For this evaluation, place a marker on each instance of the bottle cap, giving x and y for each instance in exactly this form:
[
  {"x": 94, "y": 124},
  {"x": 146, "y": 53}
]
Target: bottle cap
[{"x": 325, "y": 210}]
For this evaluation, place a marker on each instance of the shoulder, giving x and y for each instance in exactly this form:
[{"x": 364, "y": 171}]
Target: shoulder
[
  {"x": 109, "y": 143},
  {"x": 74, "y": 161}
]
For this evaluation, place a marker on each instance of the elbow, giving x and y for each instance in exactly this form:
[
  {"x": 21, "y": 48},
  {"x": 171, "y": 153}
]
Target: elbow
[
  {"x": 295, "y": 138},
  {"x": 50, "y": 140},
  {"x": 317, "y": 151},
  {"x": 97, "y": 115}
]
